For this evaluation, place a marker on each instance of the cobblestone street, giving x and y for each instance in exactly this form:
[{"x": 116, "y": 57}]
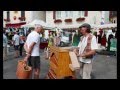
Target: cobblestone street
[{"x": 103, "y": 67}]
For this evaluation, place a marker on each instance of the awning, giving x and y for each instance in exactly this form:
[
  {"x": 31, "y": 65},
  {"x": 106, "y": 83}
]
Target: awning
[
  {"x": 37, "y": 21},
  {"x": 106, "y": 26},
  {"x": 70, "y": 28},
  {"x": 15, "y": 25}
]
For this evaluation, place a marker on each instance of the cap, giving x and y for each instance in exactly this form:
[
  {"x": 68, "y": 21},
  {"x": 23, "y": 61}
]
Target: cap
[{"x": 85, "y": 25}]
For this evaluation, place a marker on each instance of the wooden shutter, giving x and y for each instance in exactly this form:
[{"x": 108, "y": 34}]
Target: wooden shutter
[
  {"x": 54, "y": 14},
  {"x": 86, "y": 13}
]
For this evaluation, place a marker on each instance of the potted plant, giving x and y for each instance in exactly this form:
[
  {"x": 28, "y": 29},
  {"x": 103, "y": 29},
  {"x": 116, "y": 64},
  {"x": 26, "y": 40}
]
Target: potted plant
[
  {"x": 14, "y": 17},
  {"x": 21, "y": 18},
  {"x": 80, "y": 19},
  {"x": 7, "y": 20},
  {"x": 58, "y": 21},
  {"x": 68, "y": 20}
]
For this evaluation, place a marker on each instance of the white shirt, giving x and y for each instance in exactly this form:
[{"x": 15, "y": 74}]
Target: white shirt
[
  {"x": 16, "y": 38},
  {"x": 4, "y": 40},
  {"x": 83, "y": 44},
  {"x": 34, "y": 37}
]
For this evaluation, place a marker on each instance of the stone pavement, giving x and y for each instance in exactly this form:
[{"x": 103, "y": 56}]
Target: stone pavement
[
  {"x": 103, "y": 67},
  {"x": 10, "y": 65}
]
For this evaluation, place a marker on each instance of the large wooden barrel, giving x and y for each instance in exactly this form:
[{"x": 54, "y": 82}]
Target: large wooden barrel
[{"x": 23, "y": 71}]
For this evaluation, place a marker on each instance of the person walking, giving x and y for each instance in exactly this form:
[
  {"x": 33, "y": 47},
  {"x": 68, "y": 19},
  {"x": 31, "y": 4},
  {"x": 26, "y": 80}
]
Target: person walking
[
  {"x": 57, "y": 39},
  {"x": 86, "y": 50},
  {"x": 32, "y": 49},
  {"x": 21, "y": 44},
  {"x": 113, "y": 44},
  {"x": 16, "y": 41},
  {"x": 5, "y": 41},
  {"x": 108, "y": 42}
]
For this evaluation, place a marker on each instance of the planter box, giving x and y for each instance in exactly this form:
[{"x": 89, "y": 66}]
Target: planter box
[
  {"x": 7, "y": 20},
  {"x": 68, "y": 20},
  {"x": 58, "y": 21},
  {"x": 22, "y": 18},
  {"x": 80, "y": 19}
]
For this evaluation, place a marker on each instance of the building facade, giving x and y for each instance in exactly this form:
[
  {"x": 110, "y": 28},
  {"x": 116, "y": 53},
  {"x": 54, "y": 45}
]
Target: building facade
[
  {"x": 18, "y": 18},
  {"x": 113, "y": 16},
  {"x": 61, "y": 19},
  {"x": 73, "y": 19}
]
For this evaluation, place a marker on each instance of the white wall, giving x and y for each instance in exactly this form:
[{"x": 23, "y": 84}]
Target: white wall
[
  {"x": 38, "y": 15},
  {"x": 106, "y": 17},
  {"x": 4, "y": 17},
  {"x": 89, "y": 19},
  {"x": 29, "y": 15}
]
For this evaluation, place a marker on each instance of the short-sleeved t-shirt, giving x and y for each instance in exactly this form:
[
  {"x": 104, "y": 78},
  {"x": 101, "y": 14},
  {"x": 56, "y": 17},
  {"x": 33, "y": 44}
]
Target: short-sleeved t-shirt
[
  {"x": 16, "y": 39},
  {"x": 34, "y": 37},
  {"x": 4, "y": 40}
]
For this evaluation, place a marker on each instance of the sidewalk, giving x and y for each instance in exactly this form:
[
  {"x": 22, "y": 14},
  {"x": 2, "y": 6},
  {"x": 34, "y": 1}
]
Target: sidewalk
[{"x": 10, "y": 55}]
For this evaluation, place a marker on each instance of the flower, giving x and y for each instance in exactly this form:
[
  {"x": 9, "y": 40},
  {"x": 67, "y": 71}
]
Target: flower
[
  {"x": 80, "y": 19},
  {"x": 7, "y": 20},
  {"x": 58, "y": 21},
  {"x": 21, "y": 18},
  {"x": 14, "y": 17},
  {"x": 68, "y": 20}
]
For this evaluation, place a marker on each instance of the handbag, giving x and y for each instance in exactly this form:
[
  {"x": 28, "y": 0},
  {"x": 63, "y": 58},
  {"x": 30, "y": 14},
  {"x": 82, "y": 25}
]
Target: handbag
[{"x": 23, "y": 70}]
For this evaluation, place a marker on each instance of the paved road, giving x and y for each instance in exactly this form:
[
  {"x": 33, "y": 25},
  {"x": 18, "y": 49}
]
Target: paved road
[{"x": 103, "y": 67}]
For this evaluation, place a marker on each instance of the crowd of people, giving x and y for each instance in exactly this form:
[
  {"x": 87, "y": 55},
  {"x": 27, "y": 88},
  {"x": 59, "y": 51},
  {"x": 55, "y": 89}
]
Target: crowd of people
[
  {"x": 13, "y": 38},
  {"x": 107, "y": 40},
  {"x": 86, "y": 42}
]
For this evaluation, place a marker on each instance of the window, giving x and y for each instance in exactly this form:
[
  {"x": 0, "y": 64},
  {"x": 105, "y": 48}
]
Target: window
[
  {"x": 22, "y": 13},
  {"x": 114, "y": 21},
  {"x": 64, "y": 14},
  {"x": 68, "y": 14},
  {"x": 8, "y": 15},
  {"x": 58, "y": 14},
  {"x": 81, "y": 13}
]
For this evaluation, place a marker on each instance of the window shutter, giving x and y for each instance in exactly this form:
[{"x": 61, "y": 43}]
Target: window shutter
[
  {"x": 54, "y": 14},
  {"x": 86, "y": 13}
]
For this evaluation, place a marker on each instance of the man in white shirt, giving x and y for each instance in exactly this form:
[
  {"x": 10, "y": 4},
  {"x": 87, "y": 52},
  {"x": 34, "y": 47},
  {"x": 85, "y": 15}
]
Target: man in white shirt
[
  {"x": 87, "y": 49},
  {"x": 32, "y": 48},
  {"x": 16, "y": 40}
]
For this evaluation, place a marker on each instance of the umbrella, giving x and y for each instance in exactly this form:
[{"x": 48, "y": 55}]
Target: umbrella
[
  {"x": 38, "y": 22},
  {"x": 107, "y": 26}
]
